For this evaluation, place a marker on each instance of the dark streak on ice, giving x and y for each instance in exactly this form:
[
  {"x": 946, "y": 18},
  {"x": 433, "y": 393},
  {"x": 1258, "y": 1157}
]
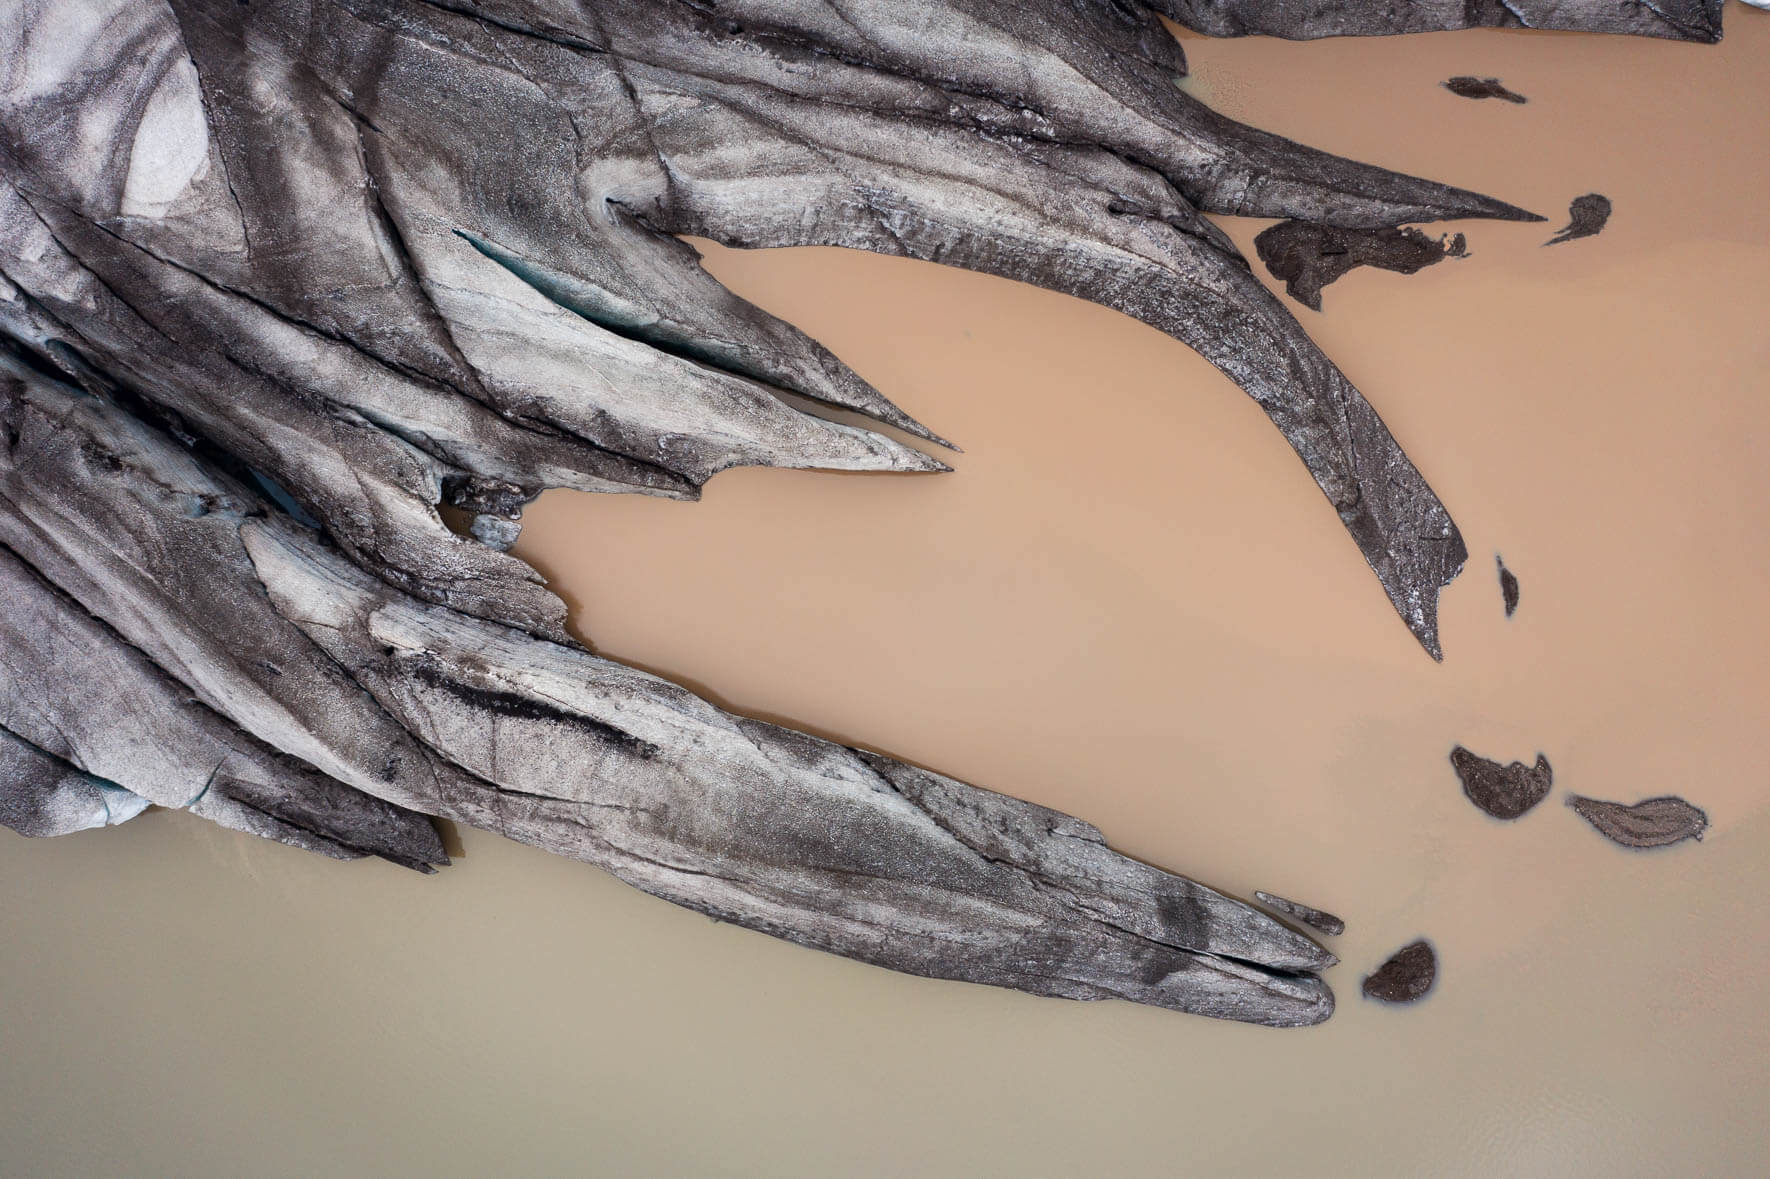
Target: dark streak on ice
[{"x": 509, "y": 704}]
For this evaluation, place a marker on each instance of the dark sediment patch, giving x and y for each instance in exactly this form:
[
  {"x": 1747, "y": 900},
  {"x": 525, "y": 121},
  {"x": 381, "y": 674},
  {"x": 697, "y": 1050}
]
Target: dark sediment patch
[
  {"x": 1653, "y": 822},
  {"x": 1308, "y": 256},
  {"x": 1466, "y": 86},
  {"x": 1505, "y": 792},
  {"x": 1314, "y": 918},
  {"x": 1508, "y": 586},
  {"x": 1406, "y": 976},
  {"x": 1585, "y": 217}
]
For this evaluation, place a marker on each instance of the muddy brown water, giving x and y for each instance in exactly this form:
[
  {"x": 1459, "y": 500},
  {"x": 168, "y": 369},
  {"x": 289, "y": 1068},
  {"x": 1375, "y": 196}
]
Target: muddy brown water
[{"x": 1128, "y": 602}]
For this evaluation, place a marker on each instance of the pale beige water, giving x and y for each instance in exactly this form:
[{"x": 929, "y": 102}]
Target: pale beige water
[{"x": 1131, "y": 603}]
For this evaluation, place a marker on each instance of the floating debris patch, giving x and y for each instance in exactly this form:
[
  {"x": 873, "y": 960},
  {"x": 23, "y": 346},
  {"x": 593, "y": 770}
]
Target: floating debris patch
[
  {"x": 1465, "y": 86},
  {"x": 1586, "y": 216},
  {"x": 1406, "y": 976},
  {"x": 1503, "y": 791},
  {"x": 1314, "y": 918},
  {"x": 1307, "y": 256},
  {"x": 1508, "y": 586},
  {"x": 1652, "y": 822}
]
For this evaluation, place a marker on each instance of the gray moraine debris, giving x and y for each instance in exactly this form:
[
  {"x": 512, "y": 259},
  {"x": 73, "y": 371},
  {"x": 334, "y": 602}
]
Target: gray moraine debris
[
  {"x": 1587, "y": 215},
  {"x": 1508, "y": 586},
  {"x": 1314, "y": 918},
  {"x": 1653, "y": 822},
  {"x": 1307, "y": 256},
  {"x": 1675, "y": 20},
  {"x": 1406, "y": 976},
  {"x": 1464, "y": 86},
  {"x": 1505, "y": 792}
]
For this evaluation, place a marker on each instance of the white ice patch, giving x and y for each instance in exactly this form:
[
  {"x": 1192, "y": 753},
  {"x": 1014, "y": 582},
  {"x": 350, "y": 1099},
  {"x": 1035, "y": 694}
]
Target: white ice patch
[
  {"x": 171, "y": 148},
  {"x": 121, "y": 805},
  {"x": 48, "y": 43}
]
